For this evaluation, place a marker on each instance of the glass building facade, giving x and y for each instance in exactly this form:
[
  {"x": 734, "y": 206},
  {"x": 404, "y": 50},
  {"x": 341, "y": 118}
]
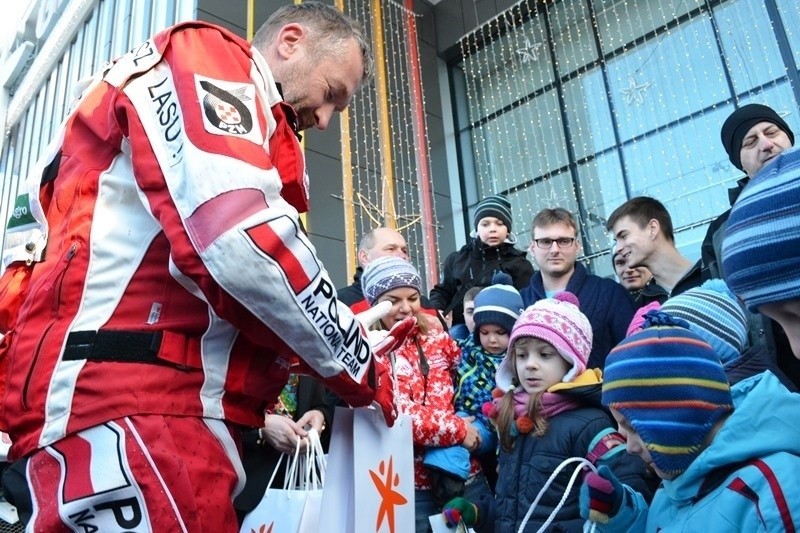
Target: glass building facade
[
  {"x": 111, "y": 28},
  {"x": 584, "y": 104}
]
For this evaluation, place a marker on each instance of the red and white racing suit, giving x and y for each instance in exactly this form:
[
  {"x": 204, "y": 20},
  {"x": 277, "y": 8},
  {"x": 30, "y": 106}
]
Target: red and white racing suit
[{"x": 162, "y": 270}]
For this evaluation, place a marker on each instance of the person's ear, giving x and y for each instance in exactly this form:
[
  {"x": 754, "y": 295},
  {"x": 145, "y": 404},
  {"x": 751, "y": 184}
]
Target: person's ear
[
  {"x": 290, "y": 38},
  {"x": 363, "y": 258},
  {"x": 654, "y": 228}
]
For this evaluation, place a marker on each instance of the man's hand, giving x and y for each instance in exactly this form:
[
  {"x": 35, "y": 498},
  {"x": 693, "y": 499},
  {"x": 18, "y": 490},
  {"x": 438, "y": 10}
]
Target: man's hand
[
  {"x": 282, "y": 433},
  {"x": 601, "y": 496},
  {"x": 312, "y": 419},
  {"x": 395, "y": 337},
  {"x": 375, "y": 313}
]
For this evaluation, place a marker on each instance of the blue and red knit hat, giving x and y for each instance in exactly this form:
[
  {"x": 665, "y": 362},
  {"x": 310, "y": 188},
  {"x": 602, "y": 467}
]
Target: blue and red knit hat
[
  {"x": 499, "y": 304},
  {"x": 671, "y": 387}
]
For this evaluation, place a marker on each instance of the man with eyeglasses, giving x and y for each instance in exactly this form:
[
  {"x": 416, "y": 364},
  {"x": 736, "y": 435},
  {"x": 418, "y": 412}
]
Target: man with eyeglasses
[{"x": 555, "y": 247}]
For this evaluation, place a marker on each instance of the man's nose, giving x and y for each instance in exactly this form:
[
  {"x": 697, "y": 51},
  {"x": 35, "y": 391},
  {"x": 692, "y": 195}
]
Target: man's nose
[{"x": 322, "y": 117}]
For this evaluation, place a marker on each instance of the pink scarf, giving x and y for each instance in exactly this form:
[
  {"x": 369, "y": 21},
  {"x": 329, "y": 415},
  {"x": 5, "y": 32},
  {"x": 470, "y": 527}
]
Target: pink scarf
[{"x": 551, "y": 403}]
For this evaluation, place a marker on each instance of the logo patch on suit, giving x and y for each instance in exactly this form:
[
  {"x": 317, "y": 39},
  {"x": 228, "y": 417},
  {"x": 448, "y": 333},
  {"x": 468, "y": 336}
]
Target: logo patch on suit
[{"x": 228, "y": 108}]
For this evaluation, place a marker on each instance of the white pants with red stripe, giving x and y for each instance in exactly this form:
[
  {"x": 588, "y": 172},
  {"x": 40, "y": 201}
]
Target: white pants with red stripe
[{"x": 140, "y": 473}]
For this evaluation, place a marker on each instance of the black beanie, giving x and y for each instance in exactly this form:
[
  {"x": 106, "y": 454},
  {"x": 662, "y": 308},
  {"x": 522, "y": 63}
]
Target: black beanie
[
  {"x": 494, "y": 206},
  {"x": 739, "y": 123}
]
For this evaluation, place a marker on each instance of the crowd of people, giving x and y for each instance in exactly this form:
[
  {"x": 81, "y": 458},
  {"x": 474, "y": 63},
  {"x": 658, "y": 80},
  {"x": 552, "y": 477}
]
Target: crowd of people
[{"x": 165, "y": 308}]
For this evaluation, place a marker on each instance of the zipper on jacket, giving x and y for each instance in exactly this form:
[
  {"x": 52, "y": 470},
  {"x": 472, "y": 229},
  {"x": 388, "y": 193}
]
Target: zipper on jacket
[{"x": 57, "y": 283}]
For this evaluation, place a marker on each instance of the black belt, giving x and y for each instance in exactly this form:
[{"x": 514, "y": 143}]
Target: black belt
[{"x": 113, "y": 345}]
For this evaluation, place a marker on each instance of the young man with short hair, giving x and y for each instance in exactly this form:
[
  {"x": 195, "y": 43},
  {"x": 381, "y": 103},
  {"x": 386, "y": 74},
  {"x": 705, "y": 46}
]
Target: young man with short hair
[
  {"x": 555, "y": 248},
  {"x": 642, "y": 229}
]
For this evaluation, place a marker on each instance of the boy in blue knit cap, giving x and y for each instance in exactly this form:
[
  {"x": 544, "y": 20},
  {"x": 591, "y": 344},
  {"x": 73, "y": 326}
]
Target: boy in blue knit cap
[
  {"x": 728, "y": 457},
  {"x": 497, "y": 307}
]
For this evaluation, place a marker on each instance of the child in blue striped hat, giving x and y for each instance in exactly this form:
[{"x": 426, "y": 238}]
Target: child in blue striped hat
[
  {"x": 729, "y": 457},
  {"x": 761, "y": 247}
]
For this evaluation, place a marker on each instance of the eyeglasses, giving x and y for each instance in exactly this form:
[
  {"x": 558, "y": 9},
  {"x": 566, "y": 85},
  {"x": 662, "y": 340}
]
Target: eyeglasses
[{"x": 562, "y": 242}]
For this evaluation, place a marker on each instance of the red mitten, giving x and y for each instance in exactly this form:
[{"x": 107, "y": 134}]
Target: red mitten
[{"x": 395, "y": 337}]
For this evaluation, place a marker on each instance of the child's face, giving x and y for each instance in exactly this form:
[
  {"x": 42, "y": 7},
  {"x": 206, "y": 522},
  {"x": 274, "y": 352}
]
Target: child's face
[
  {"x": 635, "y": 444},
  {"x": 405, "y": 302},
  {"x": 469, "y": 312},
  {"x": 492, "y": 231},
  {"x": 539, "y": 366},
  {"x": 494, "y": 339}
]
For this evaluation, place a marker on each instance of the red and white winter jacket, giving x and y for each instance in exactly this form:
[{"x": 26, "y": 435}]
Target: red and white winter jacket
[
  {"x": 157, "y": 264},
  {"x": 425, "y": 393}
]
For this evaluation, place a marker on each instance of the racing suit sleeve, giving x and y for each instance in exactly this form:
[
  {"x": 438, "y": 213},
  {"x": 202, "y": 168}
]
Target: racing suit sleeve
[{"x": 209, "y": 141}]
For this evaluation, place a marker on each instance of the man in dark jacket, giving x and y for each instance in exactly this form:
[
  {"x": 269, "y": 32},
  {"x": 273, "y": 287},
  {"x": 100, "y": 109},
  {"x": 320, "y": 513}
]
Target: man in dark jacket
[
  {"x": 606, "y": 304},
  {"x": 752, "y": 136},
  {"x": 378, "y": 242}
]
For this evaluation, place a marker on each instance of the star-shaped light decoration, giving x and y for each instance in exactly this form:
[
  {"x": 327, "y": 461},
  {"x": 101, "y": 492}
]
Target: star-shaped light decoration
[
  {"x": 529, "y": 52},
  {"x": 380, "y": 216},
  {"x": 555, "y": 199},
  {"x": 634, "y": 93}
]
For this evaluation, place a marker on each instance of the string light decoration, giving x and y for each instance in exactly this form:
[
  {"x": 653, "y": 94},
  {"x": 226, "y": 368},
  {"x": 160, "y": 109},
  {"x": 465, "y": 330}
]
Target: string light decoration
[
  {"x": 388, "y": 144},
  {"x": 583, "y": 104}
]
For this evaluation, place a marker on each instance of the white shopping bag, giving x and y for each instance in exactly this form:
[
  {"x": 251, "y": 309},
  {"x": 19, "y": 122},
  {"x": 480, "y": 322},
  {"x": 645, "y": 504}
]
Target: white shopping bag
[
  {"x": 373, "y": 465},
  {"x": 295, "y": 508}
]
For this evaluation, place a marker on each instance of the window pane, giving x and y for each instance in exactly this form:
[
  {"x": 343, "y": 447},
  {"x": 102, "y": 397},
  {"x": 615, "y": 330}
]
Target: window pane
[
  {"x": 522, "y": 144},
  {"x": 573, "y": 36},
  {"x": 683, "y": 167},
  {"x": 588, "y": 114},
  {"x": 790, "y": 15},
  {"x": 509, "y": 69},
  {"x": 662, "y": 81},
  {"x": 601, "y": 190},
  {"x": 622, "y": 21},
  {"x": 749, "y": 44}
]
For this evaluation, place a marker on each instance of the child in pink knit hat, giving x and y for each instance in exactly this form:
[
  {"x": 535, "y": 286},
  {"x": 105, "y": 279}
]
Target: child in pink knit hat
[{"x": 547, "y": 409}]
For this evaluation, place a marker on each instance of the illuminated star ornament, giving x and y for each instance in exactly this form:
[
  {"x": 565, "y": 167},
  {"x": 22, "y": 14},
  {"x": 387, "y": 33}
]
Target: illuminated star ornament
[
  {"x": 530, "y": 52},
  {"x": 554, "y": 199},
  {"x": 634, "y": 93},
  {"x": 389, "y": 497}
]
